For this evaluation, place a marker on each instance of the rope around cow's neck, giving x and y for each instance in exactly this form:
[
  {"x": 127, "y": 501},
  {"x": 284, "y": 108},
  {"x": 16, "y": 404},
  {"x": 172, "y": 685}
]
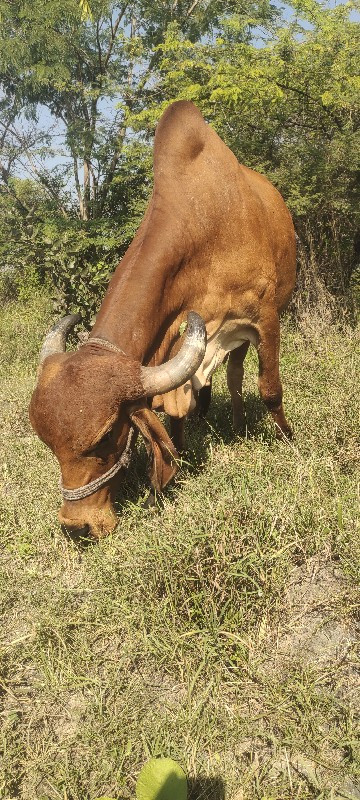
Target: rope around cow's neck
[
  {"x": 97, "y": 483},
  {"x": 103, "y": 343}
]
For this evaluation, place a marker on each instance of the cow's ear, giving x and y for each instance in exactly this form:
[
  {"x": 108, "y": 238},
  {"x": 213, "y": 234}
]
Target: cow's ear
[{"x": 163, "y": 455}]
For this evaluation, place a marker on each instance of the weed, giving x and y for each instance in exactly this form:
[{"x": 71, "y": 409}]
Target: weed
[{"x": 219, "y": 630}]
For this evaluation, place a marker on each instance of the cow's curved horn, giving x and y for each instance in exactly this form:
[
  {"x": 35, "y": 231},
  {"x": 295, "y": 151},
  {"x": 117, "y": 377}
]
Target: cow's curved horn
[
  {"x": 159, "y": 380},
  {"x": 55, "y": 340}
]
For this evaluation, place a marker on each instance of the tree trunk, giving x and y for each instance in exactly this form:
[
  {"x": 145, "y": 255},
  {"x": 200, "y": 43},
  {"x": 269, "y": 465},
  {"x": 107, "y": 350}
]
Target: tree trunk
[{"x": 86, "y": 193}]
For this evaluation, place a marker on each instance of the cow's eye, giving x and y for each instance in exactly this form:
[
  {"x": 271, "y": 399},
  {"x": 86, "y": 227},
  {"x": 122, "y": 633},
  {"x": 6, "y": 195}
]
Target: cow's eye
[{"x": 104, "y": 439}]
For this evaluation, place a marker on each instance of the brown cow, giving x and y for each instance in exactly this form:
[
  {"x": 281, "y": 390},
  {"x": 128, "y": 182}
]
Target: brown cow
[{"x": 217, "y": 238}]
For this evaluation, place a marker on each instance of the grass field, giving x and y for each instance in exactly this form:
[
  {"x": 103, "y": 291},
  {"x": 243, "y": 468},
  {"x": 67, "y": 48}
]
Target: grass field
[{"x": 219, "y": 630}]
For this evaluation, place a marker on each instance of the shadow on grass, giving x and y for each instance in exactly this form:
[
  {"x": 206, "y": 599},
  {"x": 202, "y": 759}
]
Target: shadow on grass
[
  {"x": 217, "y": 425},
  {"x": 201, "y": 434},
  {"x": 81, "y": 541},
  {"x": 202, "y": 788},
  {"x": 206, "y": 788},
  {"x": 220, "y": 415}
]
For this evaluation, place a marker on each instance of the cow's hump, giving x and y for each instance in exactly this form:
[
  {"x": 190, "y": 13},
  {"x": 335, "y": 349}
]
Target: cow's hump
[{"x": 180, "y": 135}]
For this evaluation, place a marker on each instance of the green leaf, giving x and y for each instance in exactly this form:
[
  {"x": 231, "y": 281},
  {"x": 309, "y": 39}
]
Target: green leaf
[
  {"x": 104, "y": 797},
  {"x": 85, "y": 10},
  {"x": 161, "y": 779}
]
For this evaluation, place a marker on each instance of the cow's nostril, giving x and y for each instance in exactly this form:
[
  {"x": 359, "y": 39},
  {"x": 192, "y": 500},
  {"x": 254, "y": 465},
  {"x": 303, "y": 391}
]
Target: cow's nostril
[{"x": 76, "y": 532}]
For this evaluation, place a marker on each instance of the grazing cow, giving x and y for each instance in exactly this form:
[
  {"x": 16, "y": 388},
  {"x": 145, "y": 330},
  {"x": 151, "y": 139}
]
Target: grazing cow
[{"x": 217, "y": 240}]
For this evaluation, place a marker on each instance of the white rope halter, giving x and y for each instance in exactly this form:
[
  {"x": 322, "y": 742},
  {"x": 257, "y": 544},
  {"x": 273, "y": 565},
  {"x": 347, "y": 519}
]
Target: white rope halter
[
  {"x": 103, "y": 343},
  {"x": 93, "y": 486}
]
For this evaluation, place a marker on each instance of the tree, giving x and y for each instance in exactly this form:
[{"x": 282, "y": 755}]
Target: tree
[
  {"x": 282, "y": 92},
  {"x": 76, "y": 68}
]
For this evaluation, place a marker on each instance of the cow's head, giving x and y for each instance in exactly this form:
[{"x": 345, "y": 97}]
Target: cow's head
[{"x": 86, "y": 407}]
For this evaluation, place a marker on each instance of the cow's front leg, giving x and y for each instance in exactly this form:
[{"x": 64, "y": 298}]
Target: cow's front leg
[
  {"x": 204, "y": 399},
  {"x": 177, "y": 433},
  {"x": 269, "y": 378},
  {"x": 235, "y": 375}
]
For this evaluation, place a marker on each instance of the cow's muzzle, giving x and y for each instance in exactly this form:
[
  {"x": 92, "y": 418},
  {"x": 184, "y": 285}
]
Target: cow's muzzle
[{"x": 91, "y": 522}]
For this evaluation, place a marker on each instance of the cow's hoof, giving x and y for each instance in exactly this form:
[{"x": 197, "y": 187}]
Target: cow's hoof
[
  {"x": 284, "y": 434},
  {"x": 150, "y": 501},
  {"x": 239, "y": 426}
]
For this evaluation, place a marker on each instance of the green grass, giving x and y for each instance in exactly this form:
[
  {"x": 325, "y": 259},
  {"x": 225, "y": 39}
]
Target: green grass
[{"x": 218, "y": 630}]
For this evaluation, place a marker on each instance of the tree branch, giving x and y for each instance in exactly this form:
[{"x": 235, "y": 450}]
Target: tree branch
[
  {"x": 5, "y": 176},
  {"x": 122, "y": 131},
  {"x": 192, "y": 8},
  {"x": 99, "y": 45},
  {"x": 24, "y": 145},
  {"x": 77, "y": 183},
  {"x": 315, "y": 100},
  {"x": 114, "y": 29}
]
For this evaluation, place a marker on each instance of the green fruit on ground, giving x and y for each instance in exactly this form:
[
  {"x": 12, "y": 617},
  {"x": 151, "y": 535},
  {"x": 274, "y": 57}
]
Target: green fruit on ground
[{"x": 161, "y": 779}]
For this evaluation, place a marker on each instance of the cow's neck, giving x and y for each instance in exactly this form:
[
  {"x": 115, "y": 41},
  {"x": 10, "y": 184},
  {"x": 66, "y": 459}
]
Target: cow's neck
[{"x": 138, "y": 306}]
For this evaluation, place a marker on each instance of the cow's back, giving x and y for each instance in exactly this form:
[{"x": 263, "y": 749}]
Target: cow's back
[{"x": 229, "y": 223}]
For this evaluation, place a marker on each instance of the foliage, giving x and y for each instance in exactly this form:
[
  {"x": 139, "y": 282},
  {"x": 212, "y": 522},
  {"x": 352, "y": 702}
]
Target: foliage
[
  {"x": 22, "y": 247},
  {"x": 85, "y": 9},
  {"x": 73, "y": 258},
  {"x": 77, "y": 68},
  {"x": 281, "y": 90}
]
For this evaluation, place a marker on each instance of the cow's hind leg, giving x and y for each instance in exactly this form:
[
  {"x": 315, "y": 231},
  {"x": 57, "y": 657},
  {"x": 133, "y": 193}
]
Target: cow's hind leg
[
  {"x": 269, "y": 378},
  {"x": 235, "y": 374}
]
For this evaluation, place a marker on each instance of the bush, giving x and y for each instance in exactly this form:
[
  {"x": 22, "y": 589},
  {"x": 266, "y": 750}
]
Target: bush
[{"x": 73, "y": 258}]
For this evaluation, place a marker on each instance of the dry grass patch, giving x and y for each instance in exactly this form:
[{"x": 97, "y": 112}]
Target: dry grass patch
[{"x": 218, "y": 630}]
